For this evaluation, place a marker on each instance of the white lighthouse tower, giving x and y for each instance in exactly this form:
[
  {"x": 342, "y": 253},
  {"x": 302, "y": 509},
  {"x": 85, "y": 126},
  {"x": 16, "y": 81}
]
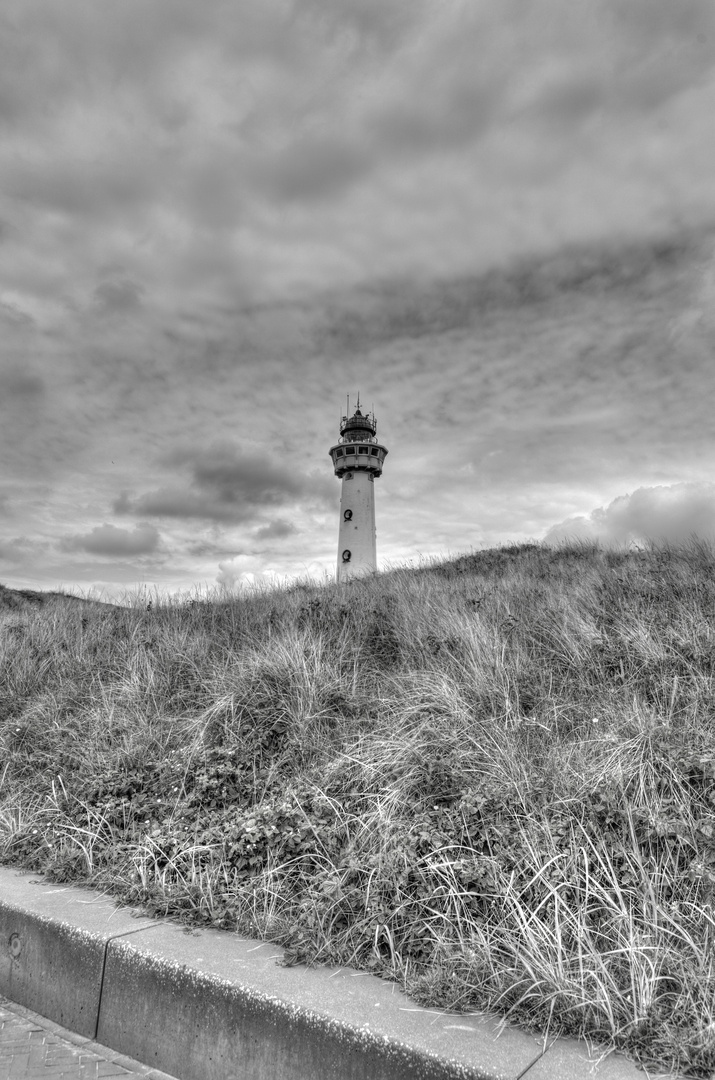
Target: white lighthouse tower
[{"x": 358, "y": 459}]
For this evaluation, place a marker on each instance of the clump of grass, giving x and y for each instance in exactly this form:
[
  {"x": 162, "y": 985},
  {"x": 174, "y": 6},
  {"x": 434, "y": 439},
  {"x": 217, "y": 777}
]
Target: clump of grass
[{"x": 491, "y": 779}]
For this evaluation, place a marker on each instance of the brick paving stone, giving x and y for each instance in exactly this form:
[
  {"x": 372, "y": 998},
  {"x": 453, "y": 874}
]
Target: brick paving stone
[{"x": 33, "y": 1048}]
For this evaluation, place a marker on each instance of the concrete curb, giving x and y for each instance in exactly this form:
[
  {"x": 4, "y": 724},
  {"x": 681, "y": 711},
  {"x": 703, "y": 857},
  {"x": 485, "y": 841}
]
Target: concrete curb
[{"x": 206, "y": 1005}]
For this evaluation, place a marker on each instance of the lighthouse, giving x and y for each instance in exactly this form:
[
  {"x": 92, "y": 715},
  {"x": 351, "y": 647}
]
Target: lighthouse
[{"x": 357, "y": 459}]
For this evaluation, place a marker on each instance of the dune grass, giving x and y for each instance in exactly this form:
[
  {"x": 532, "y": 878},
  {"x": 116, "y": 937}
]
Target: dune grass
[{"x": 491, "y": 780}]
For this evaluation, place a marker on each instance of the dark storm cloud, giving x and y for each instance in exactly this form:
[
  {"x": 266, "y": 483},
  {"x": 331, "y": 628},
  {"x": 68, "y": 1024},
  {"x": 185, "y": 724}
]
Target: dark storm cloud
[
  {"x": 81, "y": 189},
  {"x": 313, "y": 169},
  {"x": 175, "y": 64},
  {"x": 118, "y": 296},
  {"x": 226, "y": 484},
  {"x": 21, "y": 384},
  {"x": 208, "y": 548},
  {"x": 477, "y": 67},
  {"x": 459, "y": 73},
  {"x": 413, "y": 309},
  {"x": 182, "y": 503},
  {"x": 276, "y": 530},
  {"x": 157, "y": 130},
  {"x": 109, "y": 540},
  {"x": 239, "y": 476}
]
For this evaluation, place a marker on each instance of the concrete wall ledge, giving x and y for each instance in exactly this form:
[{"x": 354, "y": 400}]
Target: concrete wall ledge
[{"x": 209, "y": 1005}]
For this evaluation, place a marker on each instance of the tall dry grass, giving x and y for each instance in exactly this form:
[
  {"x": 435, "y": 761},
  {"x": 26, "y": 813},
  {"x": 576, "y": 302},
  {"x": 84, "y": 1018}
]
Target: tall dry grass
[{"x": 491, "y": 779}]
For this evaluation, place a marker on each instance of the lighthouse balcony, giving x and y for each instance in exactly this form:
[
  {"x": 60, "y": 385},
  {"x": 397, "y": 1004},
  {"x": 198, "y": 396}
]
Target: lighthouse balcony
[{"x": 363, "y": 455}]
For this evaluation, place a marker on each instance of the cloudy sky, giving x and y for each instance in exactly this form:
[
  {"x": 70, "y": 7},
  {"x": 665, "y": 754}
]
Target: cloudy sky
[{"x": 493, "y": 218}]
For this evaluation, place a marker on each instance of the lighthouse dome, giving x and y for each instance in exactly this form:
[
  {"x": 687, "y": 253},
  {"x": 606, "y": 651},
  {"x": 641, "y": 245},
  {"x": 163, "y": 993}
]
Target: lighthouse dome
[{"x": 358, "y": 428}]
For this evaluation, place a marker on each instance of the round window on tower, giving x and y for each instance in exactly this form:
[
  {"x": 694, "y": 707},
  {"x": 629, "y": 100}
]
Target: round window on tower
[
  {"x": 348, "y": 515},
  {"x": 347, "y": 555}
]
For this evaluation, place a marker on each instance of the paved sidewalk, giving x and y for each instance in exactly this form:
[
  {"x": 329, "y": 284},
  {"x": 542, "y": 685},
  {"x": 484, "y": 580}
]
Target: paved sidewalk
[{"x": 32, "y": 1047}]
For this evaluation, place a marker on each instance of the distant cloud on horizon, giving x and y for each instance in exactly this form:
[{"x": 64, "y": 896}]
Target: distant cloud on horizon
[
  {"x": 240, "y": 571},
  {"x": 672, "y": 513}
]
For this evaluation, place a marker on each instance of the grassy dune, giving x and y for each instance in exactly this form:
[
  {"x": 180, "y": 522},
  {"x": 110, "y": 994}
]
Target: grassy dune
[{"x": 492, "y": 780}]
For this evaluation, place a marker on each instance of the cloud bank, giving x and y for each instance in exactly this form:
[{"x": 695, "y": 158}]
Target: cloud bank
[
  {"x": 241, "y": 150},
  {"x": 226, "y": 485},
  {"x": 110, "y": 540},
  {"x": 217, "y": 219},
  {"x": 672, "y": 514}
]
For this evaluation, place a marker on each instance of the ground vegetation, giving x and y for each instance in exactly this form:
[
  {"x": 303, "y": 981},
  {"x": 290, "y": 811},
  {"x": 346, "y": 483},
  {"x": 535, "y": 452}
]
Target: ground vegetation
[{"x": 490, "y": 779}]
